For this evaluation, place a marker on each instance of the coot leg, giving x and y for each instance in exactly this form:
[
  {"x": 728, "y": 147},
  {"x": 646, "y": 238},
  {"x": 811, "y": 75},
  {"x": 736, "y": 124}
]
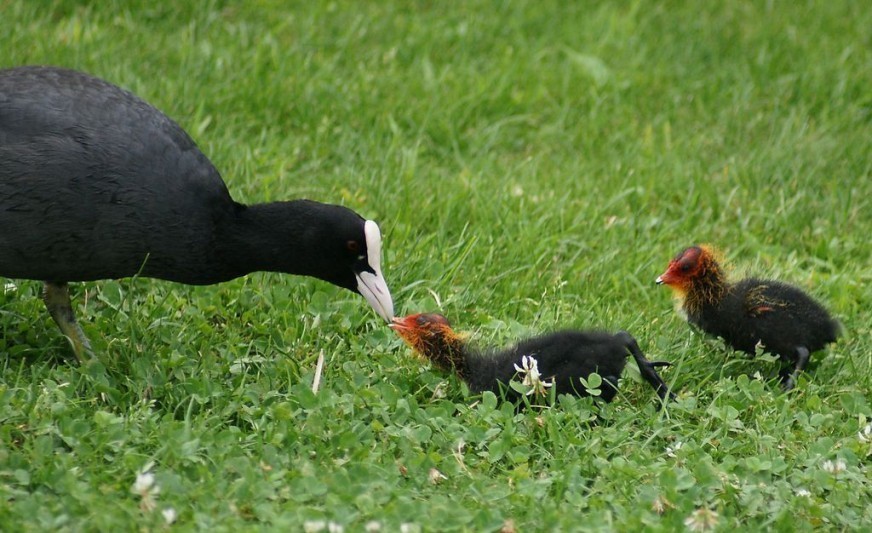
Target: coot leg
[
  {"x": 802, "y": 356},
  {"x": 647, "y": 368},
  {"x": 57, "y": 301}
]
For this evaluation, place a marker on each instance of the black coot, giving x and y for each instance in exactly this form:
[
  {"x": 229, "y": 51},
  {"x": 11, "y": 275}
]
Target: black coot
[{"x": 95, "y": 183}]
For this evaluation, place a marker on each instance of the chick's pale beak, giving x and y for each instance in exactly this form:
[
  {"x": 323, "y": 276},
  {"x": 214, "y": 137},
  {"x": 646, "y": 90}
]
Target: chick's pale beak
[
  {"x": 659, "y": 280},
  {"x": 370, "y": 283},
  {"x": 400, "y": 324}
]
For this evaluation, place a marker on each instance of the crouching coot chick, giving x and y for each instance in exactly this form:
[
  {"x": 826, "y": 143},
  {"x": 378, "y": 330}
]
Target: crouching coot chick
[
  {"x": 561, "y": 358},
  {"x": 95, "y": 183},
  {"x": 751, "y": 313}
]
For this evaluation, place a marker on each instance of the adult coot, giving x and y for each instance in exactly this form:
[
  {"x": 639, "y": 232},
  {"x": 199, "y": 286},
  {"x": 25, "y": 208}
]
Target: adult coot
[
  {"x": 558, "y": 359},
  {"x": 96, "y": 183},
  {"x": 777, "y": 317}
]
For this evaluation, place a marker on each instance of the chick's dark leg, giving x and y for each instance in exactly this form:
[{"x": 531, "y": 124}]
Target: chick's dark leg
[
  {"x": 802, "y": 357},
  {"x": 647, "y": 368},
  {"x": 57, "y": 301}
]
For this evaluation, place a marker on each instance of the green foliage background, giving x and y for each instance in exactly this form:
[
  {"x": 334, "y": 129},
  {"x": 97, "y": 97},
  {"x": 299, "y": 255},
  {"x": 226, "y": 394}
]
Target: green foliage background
[{"x": 533, "y": 165}]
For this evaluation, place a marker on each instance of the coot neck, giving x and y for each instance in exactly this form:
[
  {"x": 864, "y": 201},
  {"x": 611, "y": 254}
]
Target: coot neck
[{"x": 271, "y": 237}]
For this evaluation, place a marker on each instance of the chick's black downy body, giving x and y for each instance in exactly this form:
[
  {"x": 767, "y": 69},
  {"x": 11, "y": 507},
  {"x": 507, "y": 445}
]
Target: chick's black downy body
[
  {"x": 563, "y": 356},
  {"x": 752, "y": 313},
  {"x": 777, "y": 316}
]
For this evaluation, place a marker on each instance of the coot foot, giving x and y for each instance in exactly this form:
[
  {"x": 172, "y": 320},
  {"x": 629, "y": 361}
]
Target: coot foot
[{"x": 57, "y": 300}]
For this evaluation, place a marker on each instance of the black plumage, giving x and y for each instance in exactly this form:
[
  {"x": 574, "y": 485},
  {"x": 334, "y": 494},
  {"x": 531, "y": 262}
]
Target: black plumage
[
  {"x": 752, "y": 313},
  {"x": 562, "y": 357},
  {"x": 96, "y": 183}
]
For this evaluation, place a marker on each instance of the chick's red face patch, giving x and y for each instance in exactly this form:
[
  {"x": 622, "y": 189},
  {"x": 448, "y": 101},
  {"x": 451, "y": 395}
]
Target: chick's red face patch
[
  {"x": 421, "y": 330},
  {"x": 684, "y": 267}
]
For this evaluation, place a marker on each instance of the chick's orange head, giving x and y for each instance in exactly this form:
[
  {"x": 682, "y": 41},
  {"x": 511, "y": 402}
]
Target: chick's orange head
[
  {"x": 419, "y": 330},
  {"x": 690, "y": 263}
]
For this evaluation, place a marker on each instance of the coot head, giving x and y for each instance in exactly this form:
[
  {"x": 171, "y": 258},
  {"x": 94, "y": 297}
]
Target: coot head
[
  {"x": 366, "y": 268},
  {"x": 350, "y": 256}
]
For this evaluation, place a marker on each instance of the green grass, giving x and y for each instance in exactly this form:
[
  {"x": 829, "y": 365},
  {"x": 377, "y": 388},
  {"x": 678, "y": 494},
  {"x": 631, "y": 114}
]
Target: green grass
[{"x": 533, "y": 165}]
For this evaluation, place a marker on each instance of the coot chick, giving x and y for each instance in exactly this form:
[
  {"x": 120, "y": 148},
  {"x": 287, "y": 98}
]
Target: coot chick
[
  {"x": 561, "y": 358},
  {"x": 95, "y": 183},
  {"x": 751, "y": 313}
]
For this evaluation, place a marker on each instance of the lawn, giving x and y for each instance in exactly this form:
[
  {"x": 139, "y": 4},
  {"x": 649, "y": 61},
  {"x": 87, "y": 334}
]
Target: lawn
[{"x": 533, "y": 166}]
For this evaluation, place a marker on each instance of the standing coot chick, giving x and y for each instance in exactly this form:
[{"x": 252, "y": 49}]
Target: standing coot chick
[
  {"x": 561, "y": 357},
  {"x": 95, "y": 183},
  {"x": 751, "y": 313}
]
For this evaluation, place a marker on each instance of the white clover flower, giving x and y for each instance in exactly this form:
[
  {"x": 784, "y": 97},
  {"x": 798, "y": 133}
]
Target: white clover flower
[
  {"x": 803, "y": 492},
  {"x": 834, "y": 467},
  {"x": 660, "y": 504},
  {"x": 372, "y": 526},
  {"x": 146, "y": 488},
  {"x": 144, "y": 483},
  {"x": 532, "y": 379},
  {"x": 169, "y": 515},
  {"x": 435, "y": 476},
  {"x": 439, "y": 391},
  {"x": 673, "y": 448},
  {"x": 865, "y": 434},
  {"x": 703, "y": 519},
  {"x": 314, "y": 526}
]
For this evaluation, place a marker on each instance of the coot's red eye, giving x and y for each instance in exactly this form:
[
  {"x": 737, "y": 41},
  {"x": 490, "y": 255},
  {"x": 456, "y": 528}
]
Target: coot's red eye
[{"x": 353, "y": 246}]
